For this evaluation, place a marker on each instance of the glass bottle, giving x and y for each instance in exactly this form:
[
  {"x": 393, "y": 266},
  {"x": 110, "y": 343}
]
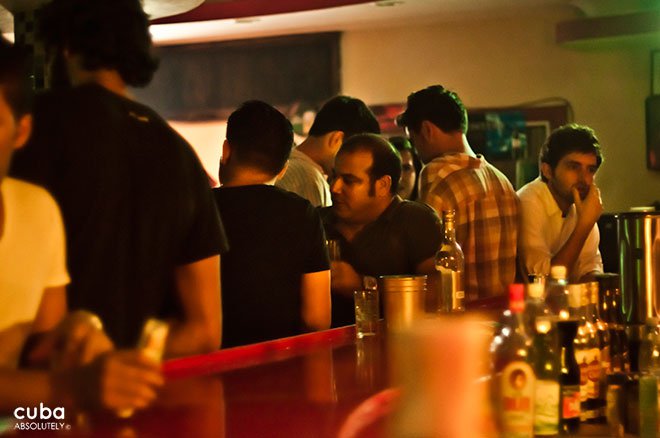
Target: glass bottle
[
  {"x": 592, "y": 346},
  {"x": 556, "y": 292},
  {"x": 513, "y": 375},
  {"x": 535, "y": 307},
  {"x": 603, "y": 338},
  {"x": 569, "y": 378},
  {"x": 581, "y": 343},
  {"x": 546, "y": 368},
  {"x": 450, "y": 265}
]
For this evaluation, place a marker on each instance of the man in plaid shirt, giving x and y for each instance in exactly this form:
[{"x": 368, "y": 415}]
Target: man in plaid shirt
[{"x": 454, "y": 177}]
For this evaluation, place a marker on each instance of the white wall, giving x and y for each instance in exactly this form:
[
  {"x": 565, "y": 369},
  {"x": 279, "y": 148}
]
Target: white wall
[{"x": 507, "y": 61}]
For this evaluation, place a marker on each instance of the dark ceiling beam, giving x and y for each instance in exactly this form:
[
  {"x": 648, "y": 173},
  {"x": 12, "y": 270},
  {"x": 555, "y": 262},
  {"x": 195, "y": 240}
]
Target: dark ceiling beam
[{"x": 608, "y": 27}]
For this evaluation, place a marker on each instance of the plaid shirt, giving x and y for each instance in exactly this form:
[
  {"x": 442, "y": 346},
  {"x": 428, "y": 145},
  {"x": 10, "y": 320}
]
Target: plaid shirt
[{"x": 486, "y": 218}]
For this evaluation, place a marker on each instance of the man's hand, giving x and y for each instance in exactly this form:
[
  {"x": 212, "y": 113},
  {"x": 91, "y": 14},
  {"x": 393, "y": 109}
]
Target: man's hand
[
  {"x": 117, "y": 380},
  {"x": 344, "y": 279},
  {"x": 79, "y": 340},
  {"x": 589, "y": 209}
]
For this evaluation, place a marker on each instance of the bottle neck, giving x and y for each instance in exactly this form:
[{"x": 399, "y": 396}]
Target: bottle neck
[{"x": 449, "y": 232}]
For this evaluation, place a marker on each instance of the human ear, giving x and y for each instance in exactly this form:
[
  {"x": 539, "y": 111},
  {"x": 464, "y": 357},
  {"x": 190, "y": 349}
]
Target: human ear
[
  {"x": 226, "y": 152},
  {"x": 24, "y": 129},
  {"x": 546, "y": 171},
  {"x": 383, "y": 185}
]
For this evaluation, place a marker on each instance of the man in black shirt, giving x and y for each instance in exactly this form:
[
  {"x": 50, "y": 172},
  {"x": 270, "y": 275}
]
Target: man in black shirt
[
  {"x": 275, "y": 277},
  {"x": 378, "y": 232},
  {"x": 143, "y": 233}
]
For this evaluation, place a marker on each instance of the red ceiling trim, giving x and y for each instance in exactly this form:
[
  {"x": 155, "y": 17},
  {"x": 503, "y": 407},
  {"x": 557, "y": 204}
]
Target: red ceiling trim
[{"x": 252, "y": 8}]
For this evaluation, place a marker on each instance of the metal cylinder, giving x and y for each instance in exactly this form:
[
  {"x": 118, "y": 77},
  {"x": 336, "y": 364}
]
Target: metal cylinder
[
  {"x": 403, "y": 297},
  {"x": 639, "y": 262}
]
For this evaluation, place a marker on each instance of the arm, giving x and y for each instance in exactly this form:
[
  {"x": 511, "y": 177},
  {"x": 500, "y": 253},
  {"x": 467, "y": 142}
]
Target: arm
[
  {"x": 200, "y": 330},
  {"x": 344, "y": 279},
  {"x": 52, "y": 309},
  {"x": 588, "y": 212},
  {"x": 315, "y": 292},
  {"x": 39, "y": 344}
]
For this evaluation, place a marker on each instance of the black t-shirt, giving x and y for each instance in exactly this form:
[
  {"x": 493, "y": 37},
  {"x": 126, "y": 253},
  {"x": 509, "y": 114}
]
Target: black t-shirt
[
  {"x": 403, "y": 236},
  {"x": 275, "y": 237},
  {"x": 134, "y": 198}
]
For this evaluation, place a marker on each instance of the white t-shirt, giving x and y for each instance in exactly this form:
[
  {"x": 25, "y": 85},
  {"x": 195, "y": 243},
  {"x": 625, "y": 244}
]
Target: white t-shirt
[
  {"x": 543, "y": 232},
  {"x": 32, "y": 254}
]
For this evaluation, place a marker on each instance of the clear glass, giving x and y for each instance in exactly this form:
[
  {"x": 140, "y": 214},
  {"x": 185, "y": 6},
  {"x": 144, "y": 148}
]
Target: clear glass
[
  {"x": 334, "y": 251},
  {"x": 556, "y": 296},
  {"x": 450, "y": 266},
  {"x": 366, "y": 312}
]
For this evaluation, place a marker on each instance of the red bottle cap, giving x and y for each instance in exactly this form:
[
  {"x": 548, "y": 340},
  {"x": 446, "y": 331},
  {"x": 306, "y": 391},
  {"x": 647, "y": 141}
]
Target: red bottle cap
[{"x": 516, "y": 297}]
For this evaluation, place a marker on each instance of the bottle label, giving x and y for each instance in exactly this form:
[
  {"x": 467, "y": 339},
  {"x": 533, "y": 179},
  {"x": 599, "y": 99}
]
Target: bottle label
[
  {"x": 593, "y": 374},
  {"x": 582, "y": 359},
  {"x": 451, "y": 290},
  {"x": 546, "y": 407},
  {"x": 570, "y": 402},
  {"x": 517, "y": 383}
]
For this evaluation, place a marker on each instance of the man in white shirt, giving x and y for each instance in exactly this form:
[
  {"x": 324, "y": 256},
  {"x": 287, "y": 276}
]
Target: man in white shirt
[
  {"x": 561, "y": 207},
  {"x": 311, "y": 162}
]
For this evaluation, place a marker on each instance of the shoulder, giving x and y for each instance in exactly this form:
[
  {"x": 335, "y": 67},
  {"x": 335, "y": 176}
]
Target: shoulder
[
  {"x": 413, "y": 211},
  {"x": 31, "y": 202},
  {"x": 532, "y": 191},
  {"x": 28, "y": 193}
]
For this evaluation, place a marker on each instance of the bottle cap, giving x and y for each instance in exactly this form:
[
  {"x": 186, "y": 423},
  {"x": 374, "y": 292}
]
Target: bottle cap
[
  {"x": 574, "y": 295},
  {"x": 535, "y": 290},
  {"x": 558, "y": 271},
  {"x": 516, "y": 297}
]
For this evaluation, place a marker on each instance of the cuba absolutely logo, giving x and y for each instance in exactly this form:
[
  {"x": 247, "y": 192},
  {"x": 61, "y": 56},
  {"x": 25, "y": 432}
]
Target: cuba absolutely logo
[{"x": 40, "y": 418}]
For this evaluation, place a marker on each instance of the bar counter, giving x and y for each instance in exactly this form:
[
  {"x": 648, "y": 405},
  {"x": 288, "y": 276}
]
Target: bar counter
[{"x": 324, "y": 384}]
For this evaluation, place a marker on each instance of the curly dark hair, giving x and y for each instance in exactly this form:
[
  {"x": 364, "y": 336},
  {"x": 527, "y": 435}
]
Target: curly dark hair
[
  {"x": 111, "y": 34},
  {"x": 567, "y": 139}
]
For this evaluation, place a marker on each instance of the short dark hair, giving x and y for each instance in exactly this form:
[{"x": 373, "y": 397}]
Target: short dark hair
[
  {"x": 385, "y": 158},
  {"x": 438, "y": 105},
  {"x": 346, "y": 114},
  {"x": 15, "y": 84},
  {"x": 568, "y": 139},
  {"x": 260, "y": 137},
  {"x": 111, "y": 34}
]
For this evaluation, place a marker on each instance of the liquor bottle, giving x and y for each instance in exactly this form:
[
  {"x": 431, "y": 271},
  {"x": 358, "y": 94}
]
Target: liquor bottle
[
  {"x": 619, "y": 355},
  {"x": 593, "y": 348},
  {"x": 586, "y": 349},
  {"x": 513, "y": 376},
  {"x": 545, "y": 361},
  {"x": 535, "y": 307},
  {"x": 450, "y": 265},
  {"x": 556, "y": 292},
  {"x": 603, "y": 336},
  {"x": 569, "y": 378}
]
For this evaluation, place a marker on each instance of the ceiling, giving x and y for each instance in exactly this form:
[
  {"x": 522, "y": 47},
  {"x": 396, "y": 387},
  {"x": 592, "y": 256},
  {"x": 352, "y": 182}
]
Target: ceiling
[
  {"x": 195, "y": 21},
  {"x": 235, "y": 19},
  {"x": 184, "y": 21}
]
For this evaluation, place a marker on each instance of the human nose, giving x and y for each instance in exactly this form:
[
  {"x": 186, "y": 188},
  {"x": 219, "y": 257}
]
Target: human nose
[{"x": 585, "y": 176}]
